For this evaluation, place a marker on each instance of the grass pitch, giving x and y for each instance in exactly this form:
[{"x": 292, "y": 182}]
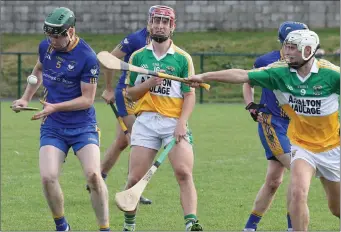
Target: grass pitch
[{"x": 229, "y": 169}]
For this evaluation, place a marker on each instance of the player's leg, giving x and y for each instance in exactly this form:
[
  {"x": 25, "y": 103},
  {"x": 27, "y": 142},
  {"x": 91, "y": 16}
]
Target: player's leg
[
  {"x": 144, "y": 146},
  {"x": 328, "y": 169},
  {"x": 125, "y": 110},
  {"x": 182, "y": 159},
  {"x": 272, "y": 133},
  {"x": 332, "y": 190},
  {"x": 141, "y": 159},
  {"x": 301, "y": 171},
  {"x": 266, "y": 194},
  {"x": 85, "y": 143},
  {"x": 52, "y": 154},
  {"x": 117, "y": 147}
]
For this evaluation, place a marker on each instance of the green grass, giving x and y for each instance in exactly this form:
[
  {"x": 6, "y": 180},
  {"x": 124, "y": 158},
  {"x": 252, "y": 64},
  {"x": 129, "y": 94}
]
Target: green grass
[
  {"x": 229, "y": 169},
  {"x": 245, "y": 42}
]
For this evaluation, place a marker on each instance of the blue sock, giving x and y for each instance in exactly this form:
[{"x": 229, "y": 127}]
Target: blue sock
[
  {"x": 104, "y": 228},
  {"x": 254, "y": 219},
  {"x": 104, "y": 176},
  {"x": 61, "y": 223},
  {"x": 289, "y": 221}
]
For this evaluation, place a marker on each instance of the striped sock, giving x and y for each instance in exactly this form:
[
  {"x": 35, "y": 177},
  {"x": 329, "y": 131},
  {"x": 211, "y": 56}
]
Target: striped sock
[
  {"x": 61, "y": 223},
  {"x": 129, "y": 219},
  {"x": 104, "y": 228},
  {"x": 253, "y": 221},
  {"x": 190, "y": 219}
]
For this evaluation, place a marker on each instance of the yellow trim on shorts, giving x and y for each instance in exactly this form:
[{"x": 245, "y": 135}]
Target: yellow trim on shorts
[{"x": 271, "y": 136}]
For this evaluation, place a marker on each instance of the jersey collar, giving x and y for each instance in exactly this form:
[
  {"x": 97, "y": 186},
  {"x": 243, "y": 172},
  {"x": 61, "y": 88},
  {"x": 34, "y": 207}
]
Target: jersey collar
[
  {"x": 170, "y": 50},
  {"x": 314, "y": 69},
  {"x": 74, "y": 45}
]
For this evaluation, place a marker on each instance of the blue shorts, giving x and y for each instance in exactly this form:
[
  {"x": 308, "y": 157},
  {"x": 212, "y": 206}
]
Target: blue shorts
[
  {"x": 124, "y": 105},
  {"x": 273, "y": 135},
  {"x": 64, "y": 138}
]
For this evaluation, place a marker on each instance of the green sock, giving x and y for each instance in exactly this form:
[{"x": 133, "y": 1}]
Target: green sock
[
  {"x": 129, "y": 219},
  {"x": 190, "y": 218}
]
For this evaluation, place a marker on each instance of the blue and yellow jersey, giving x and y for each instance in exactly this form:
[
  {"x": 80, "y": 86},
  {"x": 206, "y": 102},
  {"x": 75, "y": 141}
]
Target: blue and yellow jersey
[
  {"x": 268, "y": 97},
  {"x": 63, "y": 73},
  {"x": 130, "y": 44}
]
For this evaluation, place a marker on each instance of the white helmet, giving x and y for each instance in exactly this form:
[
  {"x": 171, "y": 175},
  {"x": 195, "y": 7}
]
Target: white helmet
[{"x": 304, "y": 38}]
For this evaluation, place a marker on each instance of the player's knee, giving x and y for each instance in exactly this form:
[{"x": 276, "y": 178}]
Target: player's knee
[
  {"x": 94, "y": 180},
  {"x": 299, "y": 194},
  {"x": 132, "y": 180},
  {"x": 183, "y": 174},
  {"x": 122, "y": 144},
  {"x": 273, "y": 184},
  {"x": 49, "y": 179}
]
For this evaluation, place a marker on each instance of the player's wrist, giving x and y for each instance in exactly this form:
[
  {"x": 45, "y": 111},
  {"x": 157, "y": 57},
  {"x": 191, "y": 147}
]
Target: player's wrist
[{"x": 205, "y": 77}]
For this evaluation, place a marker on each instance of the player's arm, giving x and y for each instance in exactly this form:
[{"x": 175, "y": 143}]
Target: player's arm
[
  {"x": 32, "y": 89},
  {"x": 138, "y": 91},
  {"x": 80, "y": 103},
  {"x": 227, "y": 76},
  {"x": 263, "y": 77},
  {"x": 135, "y": 92},
  {"x": 188, "y": 92},
  {"x": 248, "y": 93},
  {"x": 188, "y": 102},
  {"x": 108, "y": 93}
]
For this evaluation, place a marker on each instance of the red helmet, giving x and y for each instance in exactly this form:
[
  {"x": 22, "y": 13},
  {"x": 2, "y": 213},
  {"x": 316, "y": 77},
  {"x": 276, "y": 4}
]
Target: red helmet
[{"x": 165, "y": 12}]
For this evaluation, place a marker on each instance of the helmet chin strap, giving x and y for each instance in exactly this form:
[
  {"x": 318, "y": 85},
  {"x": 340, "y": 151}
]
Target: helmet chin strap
[
  {"x": 159, "y": 38},
  {"x": 296, "y": 65}
]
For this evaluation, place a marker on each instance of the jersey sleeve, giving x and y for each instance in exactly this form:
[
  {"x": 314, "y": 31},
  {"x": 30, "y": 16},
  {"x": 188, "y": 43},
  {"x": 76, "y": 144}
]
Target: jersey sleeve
[
  {"x": 263, "y": 77},
  {"x": 188, "y": 70},
  {"x": 128, "y": 44},
  {"x": 336, "y": 82},
  {"x": 91, "y": 70},
  {"x": 131, "y": 76}
]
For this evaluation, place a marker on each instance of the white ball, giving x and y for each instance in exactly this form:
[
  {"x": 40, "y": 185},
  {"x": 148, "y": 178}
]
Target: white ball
[{"x": 32, "y": 79}]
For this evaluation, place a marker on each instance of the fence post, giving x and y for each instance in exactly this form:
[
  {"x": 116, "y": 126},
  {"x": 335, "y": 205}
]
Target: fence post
[
  {"x": 19, "y": 75},
  {"x": 201, "y": 71}
]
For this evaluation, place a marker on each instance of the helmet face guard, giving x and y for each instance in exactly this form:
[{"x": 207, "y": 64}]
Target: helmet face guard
[
  {"x": 303, "y": 39},
  {"x": 163, "y": 12},
  {"x": 53, "y": 29}
]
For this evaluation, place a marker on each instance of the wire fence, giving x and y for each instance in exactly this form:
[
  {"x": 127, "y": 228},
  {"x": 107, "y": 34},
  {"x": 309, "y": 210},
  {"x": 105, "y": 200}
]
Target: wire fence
[{"x": 16, "y": 66}]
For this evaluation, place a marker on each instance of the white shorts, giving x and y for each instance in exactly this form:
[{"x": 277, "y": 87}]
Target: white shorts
[
  {"x": 152, "y": 130},
  {"x": 326, "y": 164}
]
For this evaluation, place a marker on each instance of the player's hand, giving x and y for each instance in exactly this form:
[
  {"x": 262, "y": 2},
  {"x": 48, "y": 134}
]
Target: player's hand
[
  {"x": 18, "y": 103},
  {"x": 253, "y": 108},
  {"x": 48, "y": 109},
  {"x": 180, "y": 131},
  {"x": 154, "y": 81},
  {"x": 195, "y": 80},
  {"x": 108, "y": 96}
]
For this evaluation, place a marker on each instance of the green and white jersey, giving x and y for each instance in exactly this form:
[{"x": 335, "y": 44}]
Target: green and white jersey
[
  {"x": 167, "y": 98},
  {"x": 311, "y": 102}
]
